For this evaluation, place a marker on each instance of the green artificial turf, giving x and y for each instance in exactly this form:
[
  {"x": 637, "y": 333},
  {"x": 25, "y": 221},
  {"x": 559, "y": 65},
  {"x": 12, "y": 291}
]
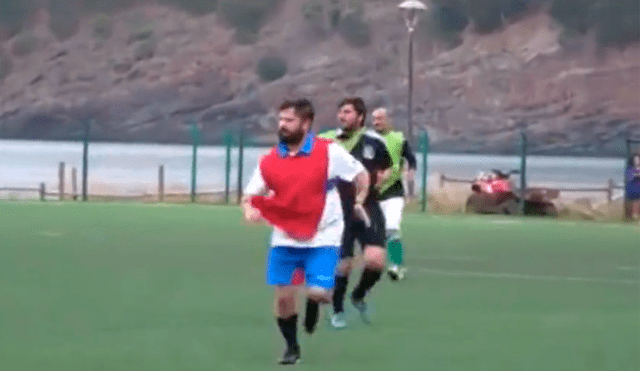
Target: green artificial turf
[{"x": 152, "y": 287}]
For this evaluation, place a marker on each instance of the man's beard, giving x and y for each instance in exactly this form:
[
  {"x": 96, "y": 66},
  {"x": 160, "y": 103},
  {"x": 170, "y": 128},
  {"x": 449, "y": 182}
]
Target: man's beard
[
  {"x": 350, "y": 127},
  {"x": 291, "y": 138}
]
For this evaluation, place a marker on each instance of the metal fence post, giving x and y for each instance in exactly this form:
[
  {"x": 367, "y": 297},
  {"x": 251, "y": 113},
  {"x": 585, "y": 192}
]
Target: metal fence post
[
  {"x": 523, "y": 171},
  {"x": 240, "y": 162},
  {"x": 161, "y": 183},
  {"x": 228, "y": 140},
  {"x": 43, "y": 192},
  {"x": 61, "y": 181},
  {"x": 424, "y": 146},
  {"x": 85, "y": 159},
  {"x": 195, "y": 137}
]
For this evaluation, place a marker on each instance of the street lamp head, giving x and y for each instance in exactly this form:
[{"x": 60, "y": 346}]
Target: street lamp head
[{"x": 411, "y": 10}]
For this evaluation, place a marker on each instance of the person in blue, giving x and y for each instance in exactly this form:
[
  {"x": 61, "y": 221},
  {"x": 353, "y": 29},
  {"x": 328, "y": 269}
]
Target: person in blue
[{"x": 632, "y": 186}]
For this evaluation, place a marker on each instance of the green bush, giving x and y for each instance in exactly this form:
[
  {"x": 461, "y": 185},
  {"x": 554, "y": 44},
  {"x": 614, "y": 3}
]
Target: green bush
[
  {"x": 246, "y": 14},
  {"x": 195, "y": 7},
  {"x": 145, "y": 49},
  {"x": 64, "y": 19},
  {"x": 617, "y": 23},
  {"x": 25, "y": 43},
  {"x": 107, "y": 6},
  {"x": 355, "y": 31},
  {"x": 14, "y": 14},
  {"x": 445, "y": 23},
  {"x": 245, "y": 37},
  {"x": 102, "y": 27},
  {"x": 271, "y": 68},
  {"x": 620, "y": 24},
  {"x": 141, "y": 32},
  {"x": 5, "y": 65},
  {"x": 312, "y": 10}
]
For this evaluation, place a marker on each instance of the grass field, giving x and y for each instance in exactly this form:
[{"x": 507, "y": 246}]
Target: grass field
[{"x": 131, "y": 287}]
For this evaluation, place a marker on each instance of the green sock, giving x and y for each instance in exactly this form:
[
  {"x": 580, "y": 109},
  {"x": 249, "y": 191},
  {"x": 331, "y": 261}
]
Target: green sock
[{"x": 395, "y": 252}]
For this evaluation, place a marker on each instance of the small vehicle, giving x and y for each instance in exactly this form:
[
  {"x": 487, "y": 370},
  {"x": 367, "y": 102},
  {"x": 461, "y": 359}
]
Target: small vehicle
[{"x": 493, "y": 194}]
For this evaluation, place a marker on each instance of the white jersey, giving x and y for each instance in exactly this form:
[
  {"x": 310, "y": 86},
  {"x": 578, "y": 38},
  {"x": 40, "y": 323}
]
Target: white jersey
[{"x": 341, "y": 166}]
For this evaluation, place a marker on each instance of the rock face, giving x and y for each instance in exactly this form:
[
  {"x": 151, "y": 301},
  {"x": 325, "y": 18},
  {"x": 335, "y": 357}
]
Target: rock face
[{"x": 474, "y": 98}]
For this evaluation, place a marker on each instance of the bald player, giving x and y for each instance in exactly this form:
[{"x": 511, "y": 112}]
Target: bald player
[{"x": 391, "y": 191}]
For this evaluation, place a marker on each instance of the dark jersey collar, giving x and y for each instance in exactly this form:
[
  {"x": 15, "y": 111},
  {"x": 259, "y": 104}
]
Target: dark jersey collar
[{"x": 307, "y": 147}]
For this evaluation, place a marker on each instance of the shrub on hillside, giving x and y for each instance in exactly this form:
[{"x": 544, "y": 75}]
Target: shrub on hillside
[
  {"x": 64, "y": 19},
  {"x": 5, "y": 65},
  {"x": 271, "y": 68},
  {"x": 355, "y": 31},
  {"x": 107, "y": 6},
  {"x": 14, "y": 15},
  {"x": 245, "y": 37},
  {"x": 617, "y": 23},
  {"x": 24, "y": 43},
  {"x": 249, "y": 15},
  {"x": 145, "y": 49},
  {"x": 195, "y": 7},
  {"x": 102, "y": 27}
]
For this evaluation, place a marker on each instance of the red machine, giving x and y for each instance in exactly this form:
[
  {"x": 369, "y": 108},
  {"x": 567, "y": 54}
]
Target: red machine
[{"x": 493, "y": 194}]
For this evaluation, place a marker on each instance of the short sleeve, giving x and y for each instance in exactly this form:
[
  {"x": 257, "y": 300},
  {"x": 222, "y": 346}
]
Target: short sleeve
[
  {"x": 257, "y": 185},
  {"x": 342, "y": 165}
]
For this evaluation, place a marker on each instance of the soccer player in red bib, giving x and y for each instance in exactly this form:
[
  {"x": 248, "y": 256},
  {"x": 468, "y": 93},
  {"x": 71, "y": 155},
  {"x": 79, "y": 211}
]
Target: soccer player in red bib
[{"x": 294, "y": 190}]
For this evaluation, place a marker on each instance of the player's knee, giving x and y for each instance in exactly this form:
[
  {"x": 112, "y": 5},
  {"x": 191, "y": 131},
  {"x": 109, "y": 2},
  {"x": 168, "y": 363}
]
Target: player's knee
[
  {"x": 285, "y": 302},
  {"x": 393, "y": 234},
  {"x": 319, "y": 295},
  {"x": 375, "y": 257},
  {"x": 345, "y": 266}
]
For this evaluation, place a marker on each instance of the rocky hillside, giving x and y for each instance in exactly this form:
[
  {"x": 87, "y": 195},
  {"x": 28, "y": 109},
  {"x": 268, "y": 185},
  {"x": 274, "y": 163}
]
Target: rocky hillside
[{"x": 159, "y": 69}]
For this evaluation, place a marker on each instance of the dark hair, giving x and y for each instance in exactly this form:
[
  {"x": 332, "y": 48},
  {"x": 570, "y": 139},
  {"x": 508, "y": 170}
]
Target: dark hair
[
  {"x": 302, "y": 107},
  {"x": 358, "y": 105}
]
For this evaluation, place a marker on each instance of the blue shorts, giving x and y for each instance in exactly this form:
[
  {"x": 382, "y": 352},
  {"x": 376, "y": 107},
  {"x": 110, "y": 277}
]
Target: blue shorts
[{"x": 319, "y": 265}]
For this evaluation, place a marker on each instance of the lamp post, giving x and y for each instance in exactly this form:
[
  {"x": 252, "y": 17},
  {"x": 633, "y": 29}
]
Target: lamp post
[{"x": 411, "y": 10}]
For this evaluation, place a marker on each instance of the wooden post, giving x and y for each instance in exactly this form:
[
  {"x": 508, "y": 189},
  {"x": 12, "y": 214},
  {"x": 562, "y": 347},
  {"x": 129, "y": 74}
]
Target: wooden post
[
  {"x": 74, "y": 183},
  {"x": 161, "y": 183},
  {"x": 61, "y": 181},
  {"x": 42, "y": 192},
  {"x": 441, "y": 180},
  {"x": 610, "y": 188}
]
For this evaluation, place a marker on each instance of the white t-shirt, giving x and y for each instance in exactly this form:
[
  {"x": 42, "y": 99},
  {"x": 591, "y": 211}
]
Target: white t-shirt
[{"x": 341, "y": 166}]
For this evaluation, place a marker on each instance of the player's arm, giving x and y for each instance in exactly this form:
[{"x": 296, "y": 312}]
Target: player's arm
[
  {"x": 256, "y": 187},
  {"x": 344, "y": 166},
  {"x": 407, "y": 153},
  {"x": 384, "y": 162}
]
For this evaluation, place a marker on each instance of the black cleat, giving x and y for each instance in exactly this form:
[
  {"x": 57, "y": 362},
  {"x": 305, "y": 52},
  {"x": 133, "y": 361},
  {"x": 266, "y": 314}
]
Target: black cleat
[
  {"x": 394, "y": 273},
  {"x": 291, "y": 356}
]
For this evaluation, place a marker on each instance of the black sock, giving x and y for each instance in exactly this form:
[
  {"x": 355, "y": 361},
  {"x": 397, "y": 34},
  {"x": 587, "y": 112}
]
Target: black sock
[
  {"x": 338, "y": 293},
  {"x": 311, "y": 316},
  {"x": 289, "y": 329},
  {"x": 368, "y": 279}
]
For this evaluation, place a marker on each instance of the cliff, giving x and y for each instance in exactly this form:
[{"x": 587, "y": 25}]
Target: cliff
[{"x": 572, "y": 98}]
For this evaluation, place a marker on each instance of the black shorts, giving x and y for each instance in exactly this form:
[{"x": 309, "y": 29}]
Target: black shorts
[{"x": 355, "y": 229}]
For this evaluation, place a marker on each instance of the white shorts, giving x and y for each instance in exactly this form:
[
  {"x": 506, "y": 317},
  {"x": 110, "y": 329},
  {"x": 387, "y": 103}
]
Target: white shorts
[{"x": 392, "y": 210}]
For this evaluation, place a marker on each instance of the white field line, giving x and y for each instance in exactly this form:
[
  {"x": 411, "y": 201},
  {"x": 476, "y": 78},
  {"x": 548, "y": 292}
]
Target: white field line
[
  {"x": 451, "y": 258},
  {"x": 51, "y": 234},
  {"x": 517, "y": 276},
  {"x": 625, "y": 268}
]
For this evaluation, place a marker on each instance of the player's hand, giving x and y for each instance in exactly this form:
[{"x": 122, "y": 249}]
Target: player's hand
[
  {"x": 361, "y": 213},
  {"x": 251, "y": 214}
]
